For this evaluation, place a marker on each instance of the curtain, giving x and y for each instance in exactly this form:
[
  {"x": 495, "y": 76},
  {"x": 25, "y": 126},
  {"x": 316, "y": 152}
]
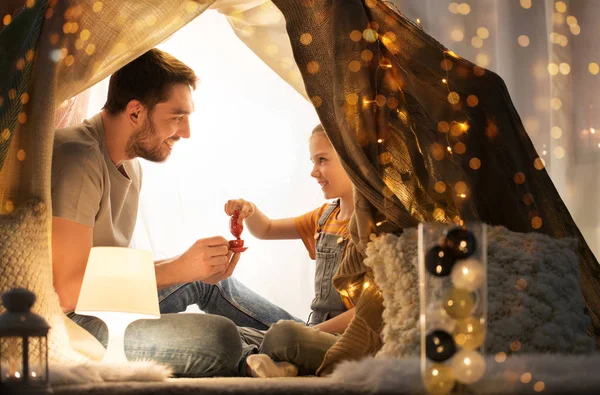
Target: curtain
[{"x": 547, "y": 54}]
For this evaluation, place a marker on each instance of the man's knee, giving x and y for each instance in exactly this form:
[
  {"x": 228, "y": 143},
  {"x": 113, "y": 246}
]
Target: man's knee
[
  {"x": 217, "y": 336},
  {"x": 195, "y": 345},
  {"x": 93, "y": 325},
  {"x": 225, "y": 342}
]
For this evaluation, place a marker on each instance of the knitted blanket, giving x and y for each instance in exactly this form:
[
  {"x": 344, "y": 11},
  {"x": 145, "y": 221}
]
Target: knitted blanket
[{"x": 24, "y": 252}]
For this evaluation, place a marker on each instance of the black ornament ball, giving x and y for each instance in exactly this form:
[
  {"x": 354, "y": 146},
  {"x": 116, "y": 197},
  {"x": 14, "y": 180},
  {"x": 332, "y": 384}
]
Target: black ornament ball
[
  {"x": 439, "y": 346},
  {"x": 461, "y": 242},
  {"x": 439, "y": 261}
]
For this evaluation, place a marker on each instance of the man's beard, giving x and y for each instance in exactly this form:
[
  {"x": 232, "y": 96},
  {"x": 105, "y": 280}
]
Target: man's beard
[{"x": 144, "y": 143}]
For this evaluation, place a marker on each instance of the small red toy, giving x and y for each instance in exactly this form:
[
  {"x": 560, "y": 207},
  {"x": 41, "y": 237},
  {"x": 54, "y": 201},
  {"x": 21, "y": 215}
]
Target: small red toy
[{"x": 236, "y": 227}]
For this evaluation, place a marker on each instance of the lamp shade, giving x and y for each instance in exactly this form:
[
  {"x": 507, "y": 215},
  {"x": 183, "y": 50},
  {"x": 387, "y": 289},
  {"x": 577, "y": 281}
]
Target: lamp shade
[{"x": 119, "y": 280}]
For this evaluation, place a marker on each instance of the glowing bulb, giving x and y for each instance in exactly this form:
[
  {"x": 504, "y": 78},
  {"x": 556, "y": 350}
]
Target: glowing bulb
[
  {"x": 438, "y": 379},
  {"x": 468, "y": 274},
  {"x": 444, "y": 81},
  {"x": 459, "y": 303},
  {"x": 468, "y": 366}
]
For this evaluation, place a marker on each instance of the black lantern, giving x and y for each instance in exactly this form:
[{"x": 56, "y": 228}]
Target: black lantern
[{"x": 23, "y": 346}]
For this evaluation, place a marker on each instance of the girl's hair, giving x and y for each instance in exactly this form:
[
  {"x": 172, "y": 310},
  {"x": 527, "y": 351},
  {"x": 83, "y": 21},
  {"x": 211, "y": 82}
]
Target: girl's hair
[{"x": 319, "y": 129}]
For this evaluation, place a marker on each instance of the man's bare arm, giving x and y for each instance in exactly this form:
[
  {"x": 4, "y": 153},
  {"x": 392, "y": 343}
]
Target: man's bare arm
[{"x": 71, "y": 245}]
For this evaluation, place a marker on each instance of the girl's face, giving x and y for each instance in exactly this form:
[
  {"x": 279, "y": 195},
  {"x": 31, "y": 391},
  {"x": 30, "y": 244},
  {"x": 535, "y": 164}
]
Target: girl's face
[{"x": 327, "y": 169}]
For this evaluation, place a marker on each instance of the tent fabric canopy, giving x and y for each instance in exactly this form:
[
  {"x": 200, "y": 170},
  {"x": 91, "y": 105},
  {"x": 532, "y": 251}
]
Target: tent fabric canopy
[{"x": 416, "y": 148}]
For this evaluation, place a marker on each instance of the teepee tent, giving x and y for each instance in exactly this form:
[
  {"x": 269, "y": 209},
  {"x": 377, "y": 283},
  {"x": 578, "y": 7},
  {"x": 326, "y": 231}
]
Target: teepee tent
[{"x": 392, "y": 100}]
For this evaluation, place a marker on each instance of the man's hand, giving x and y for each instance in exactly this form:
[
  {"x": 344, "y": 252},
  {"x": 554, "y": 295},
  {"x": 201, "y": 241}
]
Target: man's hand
[
  {"x": 233, "y": 260},
  {"x": 208, "y": 260},
  {"x": 205, "y": 259}
]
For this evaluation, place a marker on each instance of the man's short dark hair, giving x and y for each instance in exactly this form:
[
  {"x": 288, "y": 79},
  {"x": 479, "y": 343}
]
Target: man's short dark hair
[{"x": 147, "y": 79}]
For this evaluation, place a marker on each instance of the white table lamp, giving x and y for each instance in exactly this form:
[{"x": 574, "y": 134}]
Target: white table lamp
[{"x": 119, "y": 287}]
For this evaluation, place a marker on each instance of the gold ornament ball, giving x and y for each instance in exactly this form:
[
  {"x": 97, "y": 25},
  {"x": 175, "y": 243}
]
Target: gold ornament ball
[
  {"x": 459, "y": 303},
  {"x": 468, "y": 274},
  {"x": 438, "y": 379},
  {"x": 468, "y": 366},
  {"x": 469, "y": 333}
]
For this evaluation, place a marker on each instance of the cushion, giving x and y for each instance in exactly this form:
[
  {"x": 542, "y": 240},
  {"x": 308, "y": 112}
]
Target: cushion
[{"x": 534, "y": 299}]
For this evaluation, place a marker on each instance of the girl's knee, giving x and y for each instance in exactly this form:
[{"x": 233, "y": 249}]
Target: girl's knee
[
  {"x": 284, "y": 334},
  {"x": 290, "y": 330}
]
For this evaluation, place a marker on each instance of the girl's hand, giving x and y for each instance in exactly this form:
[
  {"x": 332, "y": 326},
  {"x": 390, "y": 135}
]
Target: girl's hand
[{"x": 247, "y": 209}]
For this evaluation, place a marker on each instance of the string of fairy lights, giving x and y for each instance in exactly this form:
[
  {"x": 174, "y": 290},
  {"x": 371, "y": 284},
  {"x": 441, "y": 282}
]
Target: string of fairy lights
[{"x": 552, "y": 143}]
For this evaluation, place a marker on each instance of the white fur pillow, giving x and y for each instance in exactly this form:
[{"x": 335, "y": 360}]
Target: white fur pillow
[{"x": 534, "y": 295}]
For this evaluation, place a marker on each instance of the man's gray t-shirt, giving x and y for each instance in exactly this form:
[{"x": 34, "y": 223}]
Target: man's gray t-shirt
[{"x": 87, "y": 187}]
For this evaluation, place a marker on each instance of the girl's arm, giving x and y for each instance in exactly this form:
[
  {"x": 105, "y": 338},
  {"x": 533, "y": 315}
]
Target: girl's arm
[
  {"x": 337, "y": 324},
  {"x": 261, "y": 226}
]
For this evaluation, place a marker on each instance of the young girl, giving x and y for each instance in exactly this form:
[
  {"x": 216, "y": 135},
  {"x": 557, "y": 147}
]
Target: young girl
[{"x": 324, "y": 232}]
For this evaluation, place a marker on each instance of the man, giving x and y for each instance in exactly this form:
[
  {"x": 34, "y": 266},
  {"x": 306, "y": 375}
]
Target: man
[{"x": 96, "y": 181}]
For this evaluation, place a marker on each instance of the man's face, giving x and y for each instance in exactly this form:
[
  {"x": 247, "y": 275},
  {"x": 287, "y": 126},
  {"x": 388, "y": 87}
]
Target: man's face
[{"x": 166, "y": 123}]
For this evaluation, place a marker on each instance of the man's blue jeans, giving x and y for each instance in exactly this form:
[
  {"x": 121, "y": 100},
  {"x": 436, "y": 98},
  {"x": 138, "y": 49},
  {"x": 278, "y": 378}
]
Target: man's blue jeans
[
  {"x": 229, "y": 298},
  {"x": 197, "y": 345}
]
